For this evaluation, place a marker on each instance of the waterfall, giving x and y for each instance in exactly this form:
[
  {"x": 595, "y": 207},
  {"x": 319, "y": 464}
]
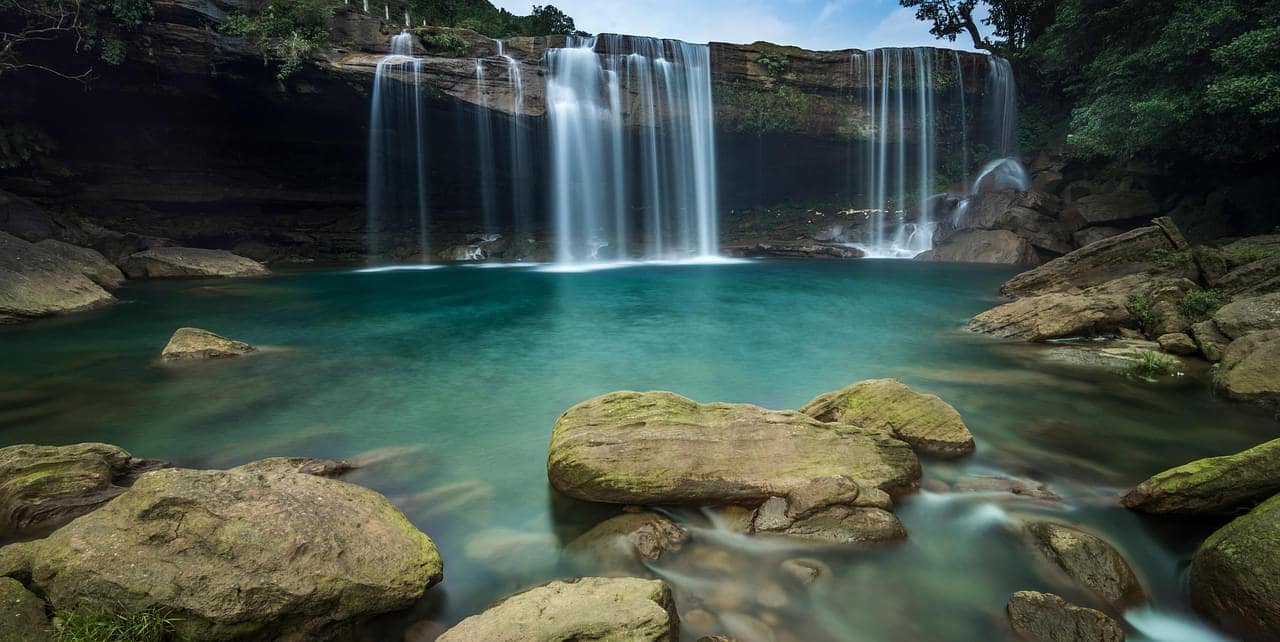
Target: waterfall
[
  {"x": 484, "y": 152},
  {"x": 1001, "y": 104},
  {"x": 397, "y": 168},
  {"x": 521, "y": 167},
  {"x": 891, "y": 91},
  {"x": 632, "y": 150}
]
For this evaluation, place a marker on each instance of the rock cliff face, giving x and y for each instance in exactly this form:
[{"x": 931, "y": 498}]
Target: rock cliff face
[{"x": 193, "y": 139}]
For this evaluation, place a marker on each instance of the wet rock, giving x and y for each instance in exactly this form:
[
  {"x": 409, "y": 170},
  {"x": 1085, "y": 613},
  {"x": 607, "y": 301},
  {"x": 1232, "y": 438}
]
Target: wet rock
[
  {"x": 330, "y": 468},
  {"x": 93, "y": 265},
  {"x": 1116, "y": 206},
  {"x": 855, "y": 525},
  {"x": 1249, "y": 315},
  {"x": 514, "y": 554},
  {"x": 984, "y": 246},
  {"x": 590, "y": 608},
  {"x": 22, "y": 616},
  {"x": 794, "y": 250},
  {"x": 1095, "y": 311},
  {"x": 623, "y": 543},
  {"x": 44, "y": 487},
  {"x": 235, "y": 555},
  {"x": 1211, "y": 342},
  {"x": 1214, "y": 485},
  {"x": 450, "y": 500},
  {"x": 930, "y": 425},
  {"x": 660, "y": 448},
  {"x": 1233, "y": 574},
  {"x": 188, "y": 262},
  {"x": 1045, "y": 617},
  {"x": 1177, "y": 343},
  {"x": 1089, "y": 561},
  {"x": 194, "y": 344},
  {"x": 1094, "y": 234},
  {"x": 735, "y": 519},
  {"x": 1250, "y": 369},
  {"x": 35, "y": 282},
  {"x": 1028, "y": 488},
  {"x": 1095, "y": 264},
  {"x": 1032, "y": 215}
]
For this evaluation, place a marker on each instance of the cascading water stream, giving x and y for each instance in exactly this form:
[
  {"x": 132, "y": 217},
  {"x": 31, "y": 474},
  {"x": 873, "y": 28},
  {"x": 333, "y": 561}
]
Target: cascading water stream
[
  {"x": 484, "y": 153},
  {"x": 1007, "y": 171},
  {"x": 632, "y": 150},
  {"x": 397, "y": 164},
  {"x": 518, "y": 139}
]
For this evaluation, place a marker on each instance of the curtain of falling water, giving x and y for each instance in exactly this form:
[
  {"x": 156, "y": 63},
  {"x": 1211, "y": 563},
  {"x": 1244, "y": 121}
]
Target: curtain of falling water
[{"x": 397, "y": 180}]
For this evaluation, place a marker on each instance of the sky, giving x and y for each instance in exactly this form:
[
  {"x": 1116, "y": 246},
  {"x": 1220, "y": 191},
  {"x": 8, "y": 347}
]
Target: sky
[{"x": 811, "y": 24}]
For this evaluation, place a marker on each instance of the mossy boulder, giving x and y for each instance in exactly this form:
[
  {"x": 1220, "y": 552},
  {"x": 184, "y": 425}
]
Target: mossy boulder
[
  {"x": 930, "y": 425},
  {"x": 235, "y": 554},
  {"x": 194, "y": 344},
  {"x": 1250, "y": 369},
  {"x": 1045, "y": 617},
  {"x": 189, "y": 262},
  {"x": 661, "y": 448},
  {"x": 1224, "y": 484},
  {"x": 1089, "y": 561},
  {"x": 1233, "y": 574},
  {"x": 1248, "y": 315},
  {"x": 22, "y": 616},
  {"x": 89, "y": 262},
  {"x": 44, "y": 487},
  {"x": 590, "y": 608},
  {"x": 1210, "y": 340},
  {"x": 1125, "y": 254},
  {"x": 36, "y": 282}
]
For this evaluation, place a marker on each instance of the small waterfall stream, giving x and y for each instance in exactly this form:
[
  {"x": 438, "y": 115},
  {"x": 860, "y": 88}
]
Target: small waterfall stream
[
  {"x": 609, "y": 163},
  {"x": 397, "y": 164}
]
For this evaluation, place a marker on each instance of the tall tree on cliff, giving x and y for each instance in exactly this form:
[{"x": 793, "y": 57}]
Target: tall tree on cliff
[{"x": 1014, "y": 23}]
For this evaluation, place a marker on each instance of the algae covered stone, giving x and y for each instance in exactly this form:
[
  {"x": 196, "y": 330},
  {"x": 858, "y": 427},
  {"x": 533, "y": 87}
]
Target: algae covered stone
[
  {"x": 661, "y": 448},
  {"x": 1250, "y": 369},
  {"x": 192, "y": 344},
  {"x": 1233, "y": 576},
  {"x": 931, "y": 425},
  {"x": 43, "y": 487},
  {"x": 1045, "y": 617},
  {"x": 621, "y": 544},
  {"x": 1212, "y": 485},
  {"x": 235, "y": 554},
  {"x": 1089, "y": 561},
  {"x": 22, "y": 616},
  {"x": 590, "y": 608}
]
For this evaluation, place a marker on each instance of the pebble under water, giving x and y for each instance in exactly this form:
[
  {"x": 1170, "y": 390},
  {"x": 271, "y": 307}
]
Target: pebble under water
[{"x": 450, "y": 380}]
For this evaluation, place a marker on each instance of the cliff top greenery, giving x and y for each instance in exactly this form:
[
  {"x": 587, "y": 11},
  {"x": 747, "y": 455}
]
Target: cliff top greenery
[{"x": 1166, "y": 80}]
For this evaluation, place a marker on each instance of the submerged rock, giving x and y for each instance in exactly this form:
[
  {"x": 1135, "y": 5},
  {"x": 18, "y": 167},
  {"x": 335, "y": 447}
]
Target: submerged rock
[
  {"x": 984, "y": 246},
  {"x": 795, "y": 250},
  {"x": 193, "y": 344},
  {"x": 590, "y": 608},
  {"x": 1233, "y": 575},
  {"x": 1214, "y": 485},
  {"x": 623, "y": 543},
  {"x": 1045, "y": 617},
  {"x": 184, "y": 262},
  {"x": 44, "y": 487},
  {"x": 660, "y": 448},
  {"x": 22, "y": 617},
  {"x": 35, "y": 282},
  {"x": 1028, "y": 488},
  {"x": 1089, "y": 561},
  {"x": 235, "y": 554},
  {"x": 930, "y": 425},
  {"x": 1250, "y": 369}
]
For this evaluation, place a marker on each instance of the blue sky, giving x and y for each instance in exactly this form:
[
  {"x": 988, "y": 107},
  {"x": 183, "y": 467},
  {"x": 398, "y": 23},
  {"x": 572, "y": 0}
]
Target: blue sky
[{"x": 812, "y": 24}]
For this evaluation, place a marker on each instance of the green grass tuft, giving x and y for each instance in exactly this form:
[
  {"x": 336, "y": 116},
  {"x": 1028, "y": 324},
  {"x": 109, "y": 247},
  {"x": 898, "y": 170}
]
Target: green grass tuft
[
  {"x": 1149, "y": 365},
  {"x": 1140, "y": 309},
  {"x": 104, "y": 625},
  {"x": 1198, "y": 305}
]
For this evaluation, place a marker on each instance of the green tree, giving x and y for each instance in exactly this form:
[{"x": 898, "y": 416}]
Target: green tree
[
  {"x": 1014, "y": 23},
  {"x": 547, "y": 20}
]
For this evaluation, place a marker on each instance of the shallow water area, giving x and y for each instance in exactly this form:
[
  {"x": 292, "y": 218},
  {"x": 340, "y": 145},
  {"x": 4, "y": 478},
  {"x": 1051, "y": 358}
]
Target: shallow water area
[{"x": 447, "y": 381}]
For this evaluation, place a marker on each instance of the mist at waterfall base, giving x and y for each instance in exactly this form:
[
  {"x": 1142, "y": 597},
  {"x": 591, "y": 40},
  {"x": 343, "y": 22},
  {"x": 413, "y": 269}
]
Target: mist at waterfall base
[
  {"x": 452, "y": 378},
  {"x": 624, "y": 165}
]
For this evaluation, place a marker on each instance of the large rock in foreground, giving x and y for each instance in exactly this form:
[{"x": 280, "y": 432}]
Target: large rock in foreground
[
  {"x": 591, "y": 608},
  {"x": 194, "y": 344},
  {"x": 928, "y": 423},
  {"x": 661, "y": 448},
  {"x": 1213, "y": 485},
  {"x": 44, "y": 487},
  {"x": 1233, "y": 575},
  {"x": 1133, "y": 252},
  {"x": 1089, "y": 561},
  {"x": 1250, "y": 369},
  {"x": 232, "y": 555},
  {"x": 1045, "y": 617},
  {"x": 188, "y": 262},
  {"x": 35, "y": 282}
]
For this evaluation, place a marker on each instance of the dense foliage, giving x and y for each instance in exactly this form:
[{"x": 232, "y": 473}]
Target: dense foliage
[
  {"x": 1014, "y": 23},
  {"x": 482, "y": 17},
  {"x": 286, "y": 30},
  {"x": 95, "y": 27}
]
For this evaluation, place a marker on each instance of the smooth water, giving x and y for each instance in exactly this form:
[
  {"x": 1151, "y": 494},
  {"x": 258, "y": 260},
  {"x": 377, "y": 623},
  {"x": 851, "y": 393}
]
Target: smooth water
[{"x": 462, "y": 372}]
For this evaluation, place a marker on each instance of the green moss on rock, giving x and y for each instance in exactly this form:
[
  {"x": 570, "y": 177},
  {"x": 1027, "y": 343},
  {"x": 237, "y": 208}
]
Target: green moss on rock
[
  {"x": 1233, "y": 574},
  {"x": 1212, "y": 485},
  {"x": 928, "y": 423}
]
